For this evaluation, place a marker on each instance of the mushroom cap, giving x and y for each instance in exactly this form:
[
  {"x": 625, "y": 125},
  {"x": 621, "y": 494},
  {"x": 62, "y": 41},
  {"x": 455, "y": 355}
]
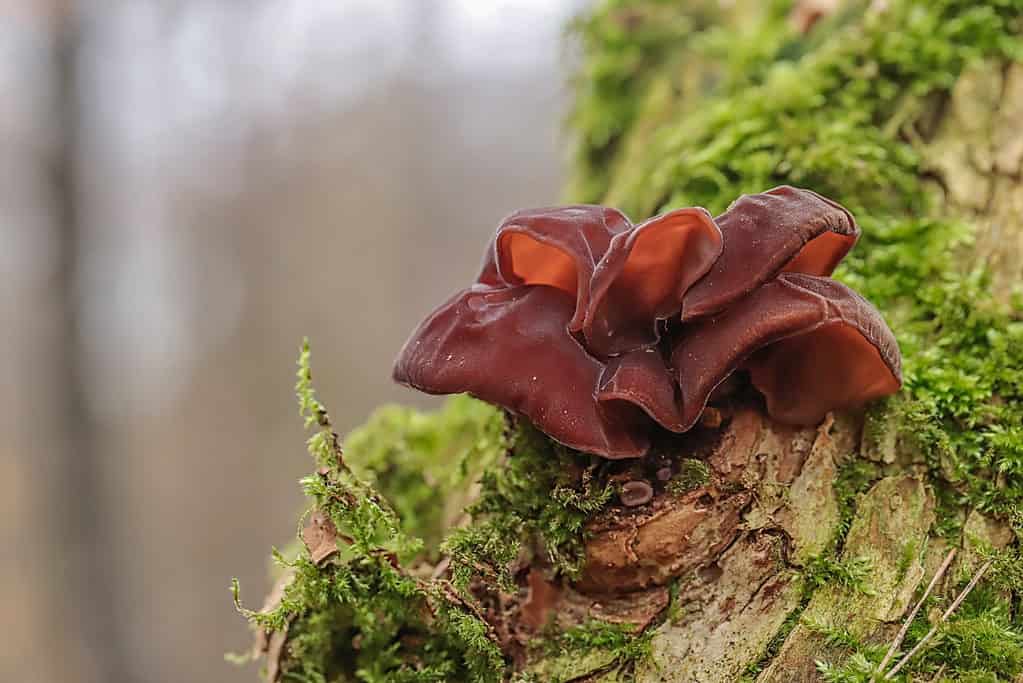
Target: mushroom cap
[
  {"x": 557, "y": 246},
  {"x": 785, "y": 229},
  {"x": 596, "y": 330},
  {"x": 643, "y": 379},
  {"x": 643, "y": 276},
  {"x": 810, "y": 343},
  {"x": 509, "y": 346}
]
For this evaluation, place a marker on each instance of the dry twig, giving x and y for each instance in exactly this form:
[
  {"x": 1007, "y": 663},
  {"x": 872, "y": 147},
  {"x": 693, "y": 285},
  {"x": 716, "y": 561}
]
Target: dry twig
[
  {"x": 912, "y": 615},
  {"x": 944, "y": 617}
]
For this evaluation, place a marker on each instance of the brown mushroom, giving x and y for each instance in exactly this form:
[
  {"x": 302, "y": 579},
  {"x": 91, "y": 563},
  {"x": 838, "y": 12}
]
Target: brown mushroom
[
  {"x": 635, "y": 493},
  {"x": 642, "y": 379},
  {"x": 811, "y": 345},
  {"x": 597, "y": 331},
  {"x": 785, "y": 229},
  {"x": 510, "y": 347},
  {"x": 554, "y": 246},
  {"x": 514, "y": 337},
  {"x": 644, "y": 275}
]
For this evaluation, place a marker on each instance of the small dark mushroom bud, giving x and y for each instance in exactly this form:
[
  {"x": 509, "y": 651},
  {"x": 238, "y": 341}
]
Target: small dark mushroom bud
[
  {"x": 664, "y": 474},
  {"x": 636, "y": 492}
]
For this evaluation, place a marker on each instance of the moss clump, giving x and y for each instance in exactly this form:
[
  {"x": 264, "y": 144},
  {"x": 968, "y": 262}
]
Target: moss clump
[
  {"x": 361, "y": 615},
  {"x": 626, "y": 41},
  {"x": 691, "y": 474},
  {"x": 978, "y": 643},
  {"x": 601, "y": 635},
  {"x": 851, "y": 574},
  {"x": 542, "y": 491},
  {"x": 980, "y": 639},
  {"x": 424, "y": 462},
  {"x": 640, "y": 53},
  {"x": 854, "y": 478},
  {"x": 824, "y": 115},
  {"x": 589, "y": 650}
]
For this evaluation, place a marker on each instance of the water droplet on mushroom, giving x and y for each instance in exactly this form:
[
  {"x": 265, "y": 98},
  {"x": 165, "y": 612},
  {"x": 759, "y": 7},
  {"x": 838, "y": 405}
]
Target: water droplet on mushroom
[{"x": 636, "y": 492}]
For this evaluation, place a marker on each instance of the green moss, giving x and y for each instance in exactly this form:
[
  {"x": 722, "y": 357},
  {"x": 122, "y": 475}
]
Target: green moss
[
  {"x": 826, "y": 119},
  {"x": 858, "y": 668},
  {"x": 625, "y": 42},
  {"x": 641, "y": 56},
  {"x": 362, "y": 616},
  {"x": 854, "y": 478},
  {"x": 590, "y": 647},
  {"x": 980, "y": 639},
  {"x": 691, "y": 474},
  {"x": 424, "y": 462},
  {"x": 979, "y": 642},
  {"x": 851, "y": 574},
  {"x": 540, "y": 490},
  {"x": 600, "y": 635}
]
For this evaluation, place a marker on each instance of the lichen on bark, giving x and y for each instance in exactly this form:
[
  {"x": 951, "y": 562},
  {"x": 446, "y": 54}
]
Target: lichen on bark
[{"x": 769, "y": 553}]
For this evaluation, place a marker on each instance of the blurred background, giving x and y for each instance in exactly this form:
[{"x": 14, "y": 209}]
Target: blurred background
[{"x": 187, "y": 187}]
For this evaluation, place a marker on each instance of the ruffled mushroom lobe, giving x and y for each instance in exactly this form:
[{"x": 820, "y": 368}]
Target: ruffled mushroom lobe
[
  {"x": 641, "y": 378},
  {"x": 785, "y": 229},
  {"x": 510, "y": 347},
  {"x": 644, "y": 275},
  {"x": 556, "y": 246},
  {"x": 810, "y": 344}
]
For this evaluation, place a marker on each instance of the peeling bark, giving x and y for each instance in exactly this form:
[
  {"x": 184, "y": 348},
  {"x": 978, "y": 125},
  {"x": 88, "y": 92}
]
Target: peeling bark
[
  {"x": 733, "y": 547},
  {"x": 889, "y": 533},
  {"x": 729, "y": 613}
]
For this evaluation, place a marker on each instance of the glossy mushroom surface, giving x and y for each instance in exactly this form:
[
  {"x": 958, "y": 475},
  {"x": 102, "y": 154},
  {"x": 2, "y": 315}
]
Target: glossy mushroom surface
[
  {"x": 784, "y": 229},
  {"x": 598, "y": 331},
  {"x": 811, "y": 345}
]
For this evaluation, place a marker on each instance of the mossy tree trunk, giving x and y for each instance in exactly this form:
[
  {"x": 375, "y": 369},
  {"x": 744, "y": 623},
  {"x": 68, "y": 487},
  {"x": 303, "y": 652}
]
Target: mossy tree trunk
[
  {"x": 767, "y": 553},
  {"x": 820, "y": 566}
]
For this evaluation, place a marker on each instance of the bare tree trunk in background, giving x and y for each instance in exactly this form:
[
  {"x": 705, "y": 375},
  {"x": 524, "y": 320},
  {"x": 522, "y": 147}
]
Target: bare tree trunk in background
[{"x": 84, "y": 568}]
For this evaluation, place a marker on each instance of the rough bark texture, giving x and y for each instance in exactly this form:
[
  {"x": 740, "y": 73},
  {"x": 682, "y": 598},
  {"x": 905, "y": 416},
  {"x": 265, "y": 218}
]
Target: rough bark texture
[{"x": 976, "y": 155}]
